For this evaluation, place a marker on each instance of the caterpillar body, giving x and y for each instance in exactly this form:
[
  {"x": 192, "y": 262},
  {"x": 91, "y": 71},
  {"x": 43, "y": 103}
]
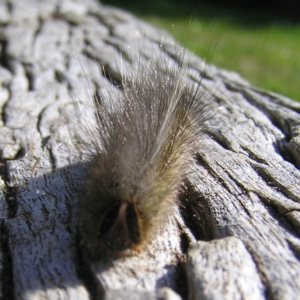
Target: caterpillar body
[{"x": 140, "y": 144}]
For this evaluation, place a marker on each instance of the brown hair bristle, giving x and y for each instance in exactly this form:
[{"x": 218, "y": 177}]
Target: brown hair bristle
[{"x": 140, "y": 146}]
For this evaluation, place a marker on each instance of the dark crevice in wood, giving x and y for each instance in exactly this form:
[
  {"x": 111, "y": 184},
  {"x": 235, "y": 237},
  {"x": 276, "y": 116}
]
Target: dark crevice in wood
[
  {"x": 260, "y": 272},
  {"x": 288, "y": 225},
  {"x": 44, "y": 140},
  {"x": 274, "y": 183},
  {"x": 30, "y": 77},
  {"x": 102, "y": 21},
  {"x": 10, "y": 195},
  {"x": 62, "y": 79},
  {"x": 174, "y": 274},
  {"x": 294, "y": 105},
  {"x": 3, "y": 54},
  {"x": 4, "y": 61},
  {"x": 9, "y": 6},
  {"x": 56, "y": 12},
  {"x": 294, "y": 153},
  {"x": 87, "y": 43},
  {"x": 246, "y": 209},
  {"x": 218, "y": 138},
  {"x": 2, "y": 175},
  {"x": 70, "y": 22},
  {"x": 280, "y": 217},
  {"x": 196, "y": 213},
  {"x": 282, "y": 148},
  {"x": 59, "y": 76},
  {"x": 6, "y": 275},
  {"x": 224, "y": 183},
  {"x": 283, "y": 125},
  {"x": 97, "y": 97},
  {"x": 52, "y": 158},
  {"x": 39, "y": 118},
  {"x": 3, "y": 115},
  {"x": 181, "y": 280},
  {"x": 38, "y": 29},
  {"x": 278, "y": 120},
  {"x": 184, "y": 242},
  {"x": 116, "y": 46},
  {"x": 84, "y": 272},
  {"x": 244, "y": 190},
  {"x": 204, "y": 75},
  {"x": 105, "y": 70},
  {"x": 295, "y": 249},
  {"x": 20, "y": 154},
  {"x": 179, "y": 60},
  {"x": 201, "y": 161},
  {"x": 254, "y": 157}
]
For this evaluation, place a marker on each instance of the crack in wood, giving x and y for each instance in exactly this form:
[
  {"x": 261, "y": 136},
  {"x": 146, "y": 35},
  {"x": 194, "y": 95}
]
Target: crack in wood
[
  {"x": 196, "y": 213},
  {"x": 6, "y": 272}
]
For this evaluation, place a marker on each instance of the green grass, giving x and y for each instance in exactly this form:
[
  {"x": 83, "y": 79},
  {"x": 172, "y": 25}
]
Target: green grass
[{"x": 262, "y": 47}]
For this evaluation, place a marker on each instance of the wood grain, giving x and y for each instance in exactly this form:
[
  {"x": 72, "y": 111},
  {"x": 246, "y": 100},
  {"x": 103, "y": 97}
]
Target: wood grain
[{"x": 235, "y": 234}]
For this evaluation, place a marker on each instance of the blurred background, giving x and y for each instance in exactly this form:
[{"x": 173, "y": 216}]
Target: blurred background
[{"x": 259, "y": 39}]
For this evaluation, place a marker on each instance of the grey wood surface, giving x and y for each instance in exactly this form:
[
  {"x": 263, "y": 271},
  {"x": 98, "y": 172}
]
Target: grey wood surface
[{"x": 235, "y": 234}]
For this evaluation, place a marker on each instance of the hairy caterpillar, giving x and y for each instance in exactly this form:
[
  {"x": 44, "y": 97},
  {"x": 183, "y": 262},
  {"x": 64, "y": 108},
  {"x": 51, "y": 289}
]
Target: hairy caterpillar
[{"x": 140, "y": 142}]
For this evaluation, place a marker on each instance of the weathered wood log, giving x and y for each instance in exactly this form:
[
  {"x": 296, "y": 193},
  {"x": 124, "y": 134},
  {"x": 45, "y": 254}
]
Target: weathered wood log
[{"x": 236, "y": 233}]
